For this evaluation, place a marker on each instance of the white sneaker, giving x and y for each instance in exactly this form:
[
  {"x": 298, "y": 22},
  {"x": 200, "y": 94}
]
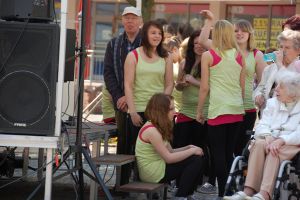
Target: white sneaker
[
  {"x": 207, "y": 188},
  {"x": 237, "y": 196}
]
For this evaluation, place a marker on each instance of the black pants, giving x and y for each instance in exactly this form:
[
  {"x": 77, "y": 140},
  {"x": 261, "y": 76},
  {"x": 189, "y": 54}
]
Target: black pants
[
  {"x": 188, "y": 172},
  {"x": 222, "y": 139},
  {"x": 243, "y": 138},
  {"x": 123, "y": 146},
  {"x": 193, "y": 132},
  {"x": 133, "y": 132}
]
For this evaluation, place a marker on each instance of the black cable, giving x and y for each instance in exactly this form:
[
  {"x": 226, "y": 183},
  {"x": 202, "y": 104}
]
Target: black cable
[
  {"x": 113, "y": 172},
  {"x": 22, "y": 177},
  {"x": 15, "y": 45}
]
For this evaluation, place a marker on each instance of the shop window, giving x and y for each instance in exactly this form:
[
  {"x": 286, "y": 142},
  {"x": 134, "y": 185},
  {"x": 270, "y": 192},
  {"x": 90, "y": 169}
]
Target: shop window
[
  {"x": 105, "y": 9},
  {"x": 279, "y": 15},
  {"x": 172, "y": 13},
  {"x": 256, "y": 15},
  {"x": 196, "y": 20},
  {"x": 259, "y": 16},
  {"x": 103, "y": 32}
]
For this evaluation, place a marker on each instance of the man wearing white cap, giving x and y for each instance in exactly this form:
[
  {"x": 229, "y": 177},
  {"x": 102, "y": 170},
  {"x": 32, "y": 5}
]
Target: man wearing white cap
[{"x": 115, "y": 55}]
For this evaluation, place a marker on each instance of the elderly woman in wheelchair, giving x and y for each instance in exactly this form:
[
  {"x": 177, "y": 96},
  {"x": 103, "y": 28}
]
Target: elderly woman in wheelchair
[{"x": 277, "y": 138}]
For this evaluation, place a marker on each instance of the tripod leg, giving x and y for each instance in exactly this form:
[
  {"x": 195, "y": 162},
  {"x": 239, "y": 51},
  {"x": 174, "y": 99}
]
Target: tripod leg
[{"x": 96, "y": 173}]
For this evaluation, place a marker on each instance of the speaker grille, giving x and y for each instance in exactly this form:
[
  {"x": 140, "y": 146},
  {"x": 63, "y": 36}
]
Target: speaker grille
[
  {"x": 29, "y": 76},
  {"x": 25, "y": 98}
]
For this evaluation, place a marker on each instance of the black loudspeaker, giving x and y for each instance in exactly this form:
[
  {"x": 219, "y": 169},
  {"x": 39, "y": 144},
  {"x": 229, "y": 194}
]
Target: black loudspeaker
[
  {"x": 39, "y": 10},
  {"x": 28, "y": 76}
]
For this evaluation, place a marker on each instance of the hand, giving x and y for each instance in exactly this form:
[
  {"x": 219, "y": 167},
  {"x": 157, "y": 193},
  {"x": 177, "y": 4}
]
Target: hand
[
  {"x": 275, "y": 146},
  {"x": 260, "y": 101},
  {"x": 279, "y": 57},
  {"x": 191, "y": 146},
  {"x": 182, "y": 83},
  {"x": 136, "y": 119},
  {"x": 207, "y": 14},
  {"x": 200, "y": 117},
  {"x": 122, "y": 104},
  {"x": 269, "y": 140},
  {"x": 188, "y": 78},
  {"x": 198, "y": 151}
]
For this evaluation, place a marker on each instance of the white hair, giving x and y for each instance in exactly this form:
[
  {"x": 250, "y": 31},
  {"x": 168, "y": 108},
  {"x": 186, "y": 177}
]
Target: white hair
[
  {"x": 290, "y": 35},
  {"x": 291, "y": 80}
]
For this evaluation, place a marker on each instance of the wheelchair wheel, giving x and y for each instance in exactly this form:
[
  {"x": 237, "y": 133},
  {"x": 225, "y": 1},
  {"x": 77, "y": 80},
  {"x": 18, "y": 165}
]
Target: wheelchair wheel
[
  {"x": 236, "y": 178},
  {"x": 282, "y": 178}
]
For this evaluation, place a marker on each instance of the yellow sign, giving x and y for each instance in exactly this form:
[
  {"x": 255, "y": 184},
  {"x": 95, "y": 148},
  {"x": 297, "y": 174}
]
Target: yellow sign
[
  {"x": 260, "y": 26},
  {"x": 260, "y": 23}
]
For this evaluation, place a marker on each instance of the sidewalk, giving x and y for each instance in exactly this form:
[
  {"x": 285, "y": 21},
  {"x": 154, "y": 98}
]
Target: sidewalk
[{"x": 64, "y": 188}]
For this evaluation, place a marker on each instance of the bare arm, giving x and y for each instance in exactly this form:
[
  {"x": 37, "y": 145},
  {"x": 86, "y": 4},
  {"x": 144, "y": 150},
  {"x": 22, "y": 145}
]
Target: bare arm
[
  {"x": 169, "y": 156},
  {"x": 205, "y": 31},
  {"x": 169, "y": 78},
  {"x": 192, "y": 80},
  {"x": 242, "y": 79},
  {"x": 204, "y": 82},
  {"x": 260, "y": 65},
  {"x": 180, "y": 82}
]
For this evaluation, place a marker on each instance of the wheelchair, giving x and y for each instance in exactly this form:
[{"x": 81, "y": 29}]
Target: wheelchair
[{"x": 287, "y": 185}]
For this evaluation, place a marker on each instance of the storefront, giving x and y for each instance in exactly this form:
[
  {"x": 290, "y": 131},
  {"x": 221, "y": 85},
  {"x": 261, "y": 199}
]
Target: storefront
[{"x": 106, "y": 19}]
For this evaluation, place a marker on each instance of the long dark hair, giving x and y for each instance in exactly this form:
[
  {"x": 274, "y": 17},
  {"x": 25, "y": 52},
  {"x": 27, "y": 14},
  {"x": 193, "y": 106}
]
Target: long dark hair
[
  {"x": 157, "y": 111},
  {"x": 145, "y": 41},
  {"x": 190, "y": 58}
]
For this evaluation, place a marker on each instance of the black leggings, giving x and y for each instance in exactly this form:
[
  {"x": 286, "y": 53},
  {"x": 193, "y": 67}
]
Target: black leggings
[
  {"x": 222, "y": 139},
  {"x": 133, "y": 132},
  {"x": 243, "y": 138},
  {"x": 193, "y": 132},
  {"x": 188, "y": 172}
]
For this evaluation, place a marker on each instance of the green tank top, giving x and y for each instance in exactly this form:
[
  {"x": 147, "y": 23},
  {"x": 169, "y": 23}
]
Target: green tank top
[
  {"x": 150, "y": 165},
  {"x": 107, "y": 106},
  {"x": 250, "y": 71},
  {"x": 225, "y": 91},
  {"x": 190, "y": 97},
  {"x": 176, "y": 94},
  {"x": 149, "y": 79}
]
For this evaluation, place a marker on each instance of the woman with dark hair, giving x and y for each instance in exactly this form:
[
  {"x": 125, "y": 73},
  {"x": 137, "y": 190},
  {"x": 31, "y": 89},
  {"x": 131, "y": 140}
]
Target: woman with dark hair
[
  {"x": 157, "y": 161},
  {"x": 148, "y": 70},
  {"x": 187, "y": 130}
]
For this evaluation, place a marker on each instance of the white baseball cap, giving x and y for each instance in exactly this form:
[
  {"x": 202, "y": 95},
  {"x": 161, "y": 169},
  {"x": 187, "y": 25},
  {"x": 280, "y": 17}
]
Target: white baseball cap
[{"x": 132, "y": 10}]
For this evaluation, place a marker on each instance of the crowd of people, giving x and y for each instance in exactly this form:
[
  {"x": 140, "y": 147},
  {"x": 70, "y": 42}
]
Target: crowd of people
[{"x": 183, "y": 99}]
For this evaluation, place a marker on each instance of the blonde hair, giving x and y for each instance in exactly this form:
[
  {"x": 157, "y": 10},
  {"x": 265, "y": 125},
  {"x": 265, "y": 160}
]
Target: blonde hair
[
  {"x": 183, "y": 47},
  {"x": 246, "y": 26},
  {"x": 223, "y": 37}
]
